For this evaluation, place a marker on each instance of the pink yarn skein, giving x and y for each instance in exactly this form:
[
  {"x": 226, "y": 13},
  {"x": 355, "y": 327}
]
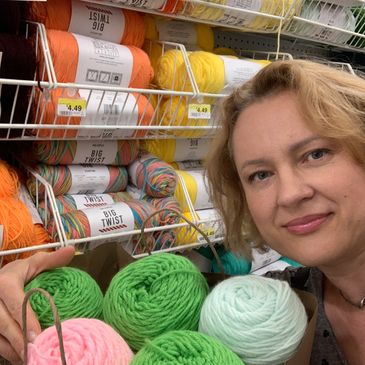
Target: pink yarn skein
[{"x": 86, "y": 342}]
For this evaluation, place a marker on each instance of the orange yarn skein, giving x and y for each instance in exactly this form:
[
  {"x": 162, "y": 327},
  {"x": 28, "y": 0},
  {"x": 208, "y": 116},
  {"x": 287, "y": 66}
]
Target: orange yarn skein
[
  {"x": 9, "y": 182},
  {"x": 56, "y": 14},
  {"x": 173, "y": 6}
]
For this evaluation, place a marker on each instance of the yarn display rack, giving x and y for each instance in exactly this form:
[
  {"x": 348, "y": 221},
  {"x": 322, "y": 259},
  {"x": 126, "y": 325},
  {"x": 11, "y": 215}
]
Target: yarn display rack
[
  {"x": 320, "y": 26},
  {"x": 130, "y": 239}
]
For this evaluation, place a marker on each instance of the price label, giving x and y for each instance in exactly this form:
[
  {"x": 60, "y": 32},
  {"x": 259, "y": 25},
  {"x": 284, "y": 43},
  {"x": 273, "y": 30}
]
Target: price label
[
  {"x": 199, "y": 111},
  {"x": 71, "y": 107}
]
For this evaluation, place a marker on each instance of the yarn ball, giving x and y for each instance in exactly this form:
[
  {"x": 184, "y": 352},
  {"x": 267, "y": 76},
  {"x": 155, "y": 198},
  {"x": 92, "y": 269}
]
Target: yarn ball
[
  {"x": 185, "y": 347},
  {"x": 154, "y": 295},
  {"x": 262, "y": 320},
  {"x": 75, "y": 292},
  {"x": 232, "y": 264},
  {"x": 9, "y": 182},
  {"x": 86, "y": 342}
]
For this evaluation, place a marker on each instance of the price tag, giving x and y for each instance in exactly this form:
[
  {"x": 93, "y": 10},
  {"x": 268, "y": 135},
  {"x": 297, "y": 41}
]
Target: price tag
[
  {"x": 199, "y": 111},
  {"x": 71, "y": 107}
]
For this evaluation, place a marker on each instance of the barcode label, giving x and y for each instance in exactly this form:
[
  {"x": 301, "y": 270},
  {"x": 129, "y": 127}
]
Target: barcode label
[
  {"x": 199, "y": 111},
  {"x": 111, "y": 109},
  {"x": 71, "y": 107}
]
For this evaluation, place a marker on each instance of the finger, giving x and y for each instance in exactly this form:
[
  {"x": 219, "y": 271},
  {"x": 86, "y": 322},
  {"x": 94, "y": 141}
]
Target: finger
[
  {"x": 43, "y": 261},
  {"x": 10, "y": 332},
  {"x": 8, "y": 352}
]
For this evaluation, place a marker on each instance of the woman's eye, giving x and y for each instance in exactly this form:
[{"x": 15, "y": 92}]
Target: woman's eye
[
  {"x": 317, "y": 154},
  {"x": 259, "y": 176}
]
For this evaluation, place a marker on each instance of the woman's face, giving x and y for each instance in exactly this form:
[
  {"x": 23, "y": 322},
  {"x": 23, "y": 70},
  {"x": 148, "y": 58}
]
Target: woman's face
[{"x": 305, "y": 193}]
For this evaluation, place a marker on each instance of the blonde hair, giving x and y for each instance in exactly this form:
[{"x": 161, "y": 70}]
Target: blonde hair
[{"x": 331, "y": 101}]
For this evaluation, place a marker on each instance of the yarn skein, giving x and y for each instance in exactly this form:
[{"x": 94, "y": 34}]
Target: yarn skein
[
  {"x": 185, "y": 347},
  {"x": 153, "y": 176},
  {"x": 154, "y": 295},
  {"x": 68, "y": 203},
  {"x": 232, "y": 264},
  {"x": 262, "y": 320},
  {"x": 75, "y": 292},
  {"x": 80, "y": 179},
  {"x": 86, "y": 341},
  {"x": 86, "y": 152},
  {"x": 9, "y": 182},
  {"x": 95, "y": 20}
]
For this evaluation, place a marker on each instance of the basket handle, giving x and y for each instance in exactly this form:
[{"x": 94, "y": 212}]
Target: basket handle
[{"x": 56, "y": 319}]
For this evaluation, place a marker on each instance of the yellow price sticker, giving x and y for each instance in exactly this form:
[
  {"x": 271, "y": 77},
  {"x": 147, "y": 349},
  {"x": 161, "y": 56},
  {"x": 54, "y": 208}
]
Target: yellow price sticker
[
  {"x": 71, "y": 107},
  {"x": 199, "y": 111}
]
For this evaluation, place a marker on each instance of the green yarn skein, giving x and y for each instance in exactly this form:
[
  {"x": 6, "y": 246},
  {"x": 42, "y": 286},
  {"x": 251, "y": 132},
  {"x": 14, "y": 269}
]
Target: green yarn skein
[
  {"x": 154, "y": 295},
  {"x": 185, "y": 348},
  {"x": 75, "y": 292},
  {"x": 233, "y": 265}
]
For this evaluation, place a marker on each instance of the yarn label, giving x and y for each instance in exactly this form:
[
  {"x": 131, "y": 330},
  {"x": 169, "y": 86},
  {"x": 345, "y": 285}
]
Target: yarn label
[
  {"x": 96, "y": 152},
  {"x": 28, "y": 202},
  {"x": 261, "y": 259},
  {"x": 71, "y": 107},
  {"x": 113, "y": 218},
  {"x": 199, "y": 111},
  {"x": 88, "y": 179},
  {"x": 212, "y": 227},
  {"x": 191, "y": 149},
  {"x": 240, "y": 18},
  {"x": 97, "y": 21},
  {"x": 237, "y": 72},
  {"x": 176, "y": 31},
  {"x": 84, "y": 201},
  {"x": 188, "y": 165},
  {"x": 135, "y": 193},
  {"x": 102, "y": 62},
  {"x": 109, "y": 108}
]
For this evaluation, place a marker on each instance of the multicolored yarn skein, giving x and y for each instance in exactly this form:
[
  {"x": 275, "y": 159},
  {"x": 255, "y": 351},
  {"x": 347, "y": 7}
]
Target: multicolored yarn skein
[
  {"x": 75, "y": 292},
  {"x": 185, "y": 347},
  {"x": 98, "y": 21},
  {"x": 153, "y": 176},
  {"x": 114, "y": 218},
  {"x": 262, "y": 320},
  {"x": 86, "y": 152},
  {"x": 74, "y": 179},
  {"x": 69, "y": 203},
  {"x": 154, "y": 295},
  {"x": 86, "y": 341}
]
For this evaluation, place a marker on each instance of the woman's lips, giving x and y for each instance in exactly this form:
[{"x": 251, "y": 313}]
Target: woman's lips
[{"x": 307, "y": 224}]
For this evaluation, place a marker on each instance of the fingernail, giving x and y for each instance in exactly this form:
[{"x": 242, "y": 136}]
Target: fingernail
[
  {"x": 31, "y": 336},
  {"x": 22, "y": 355}
]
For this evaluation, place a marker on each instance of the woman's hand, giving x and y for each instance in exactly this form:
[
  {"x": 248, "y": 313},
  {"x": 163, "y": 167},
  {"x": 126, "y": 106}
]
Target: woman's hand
[{"x": 13, "y": 278}]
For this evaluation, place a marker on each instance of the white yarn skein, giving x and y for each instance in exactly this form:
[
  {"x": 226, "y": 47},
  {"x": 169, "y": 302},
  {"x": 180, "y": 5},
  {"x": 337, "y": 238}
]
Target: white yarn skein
[{"x": 262, "y": 320}]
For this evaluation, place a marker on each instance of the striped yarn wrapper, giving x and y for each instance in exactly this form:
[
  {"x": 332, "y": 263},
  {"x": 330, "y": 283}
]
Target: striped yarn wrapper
[
  {"x": 262, "y": 320},
  {"x": 86, "y": 341},
  {"x": 154, "y": 295},
  {"x": 96, "y": 152},
  {"x": 185, "y": 347},
  {"x": 77, "y": 225},
  {"x": 67, "y": 203},
  {"x": 75, "y": 292},
  {"x": 60, "y": 178},
  {"x": 153, "y": 176}
]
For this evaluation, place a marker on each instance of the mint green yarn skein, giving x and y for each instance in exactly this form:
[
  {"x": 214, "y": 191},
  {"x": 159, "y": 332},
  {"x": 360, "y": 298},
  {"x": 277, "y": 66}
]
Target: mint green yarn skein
[
  {"x": 185, "y": 348},
  {"x": 75, "y": 292},
  {"x": 262, "y": 320},
  {"x": 154, "y": 295}
]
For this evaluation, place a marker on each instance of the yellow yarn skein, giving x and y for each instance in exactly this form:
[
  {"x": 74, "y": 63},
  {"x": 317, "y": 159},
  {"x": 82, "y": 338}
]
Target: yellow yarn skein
[
  {"x": 205, "y": 12},
  {"x": 191, "y": 186},
  {"x": 275, "y": 7},
  {"x": 204, "y": 37},
  {"x": 164, "y": 149},
  {"x": 167, "y": 70},
  {"x": 208, "y": 70},
  {"x": 174, "y": 111}
]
